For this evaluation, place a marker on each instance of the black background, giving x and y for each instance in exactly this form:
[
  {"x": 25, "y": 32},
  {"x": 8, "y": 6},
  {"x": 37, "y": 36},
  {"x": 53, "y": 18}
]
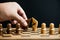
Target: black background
[{"x": 43, "y": 10}]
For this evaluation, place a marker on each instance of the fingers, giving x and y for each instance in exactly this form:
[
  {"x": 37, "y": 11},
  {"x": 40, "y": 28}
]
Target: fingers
[
  {"x": 20, "y": 19},
  {"x": 14, "y": 22},
  {"x": 22, "y": 13}
]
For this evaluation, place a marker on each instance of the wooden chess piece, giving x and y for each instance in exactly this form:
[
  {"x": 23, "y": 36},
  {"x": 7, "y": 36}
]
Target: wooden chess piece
[
  {"x": 18, "y": 29},
  {"x": 34, "y": 24},
  {"x": 43, "y": 28},
  {"x": 1, "y": 29},
  {"x": 25, "y": 28},
  {"x": 51, "y": 29},
  {"x": 59, "y": 29},
  {"x": 9, "y": 29}
]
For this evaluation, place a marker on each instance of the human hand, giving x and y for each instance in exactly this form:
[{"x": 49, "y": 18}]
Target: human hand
[{"x": 12, "y": 10}]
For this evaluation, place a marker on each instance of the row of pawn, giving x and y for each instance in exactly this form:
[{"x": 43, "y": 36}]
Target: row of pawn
[
  {"x": 9, "y": 28},
  {"x": 44, "y": 29}
]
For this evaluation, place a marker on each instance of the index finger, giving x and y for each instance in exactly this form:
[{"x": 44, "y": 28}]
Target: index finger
[{"x": 21, "y": 12}]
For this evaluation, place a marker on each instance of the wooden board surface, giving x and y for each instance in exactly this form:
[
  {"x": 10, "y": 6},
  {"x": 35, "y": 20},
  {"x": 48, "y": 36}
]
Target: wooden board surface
[{"x": 31, "y": 35}]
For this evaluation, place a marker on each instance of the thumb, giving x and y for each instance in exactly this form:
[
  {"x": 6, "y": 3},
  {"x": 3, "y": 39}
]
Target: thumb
[{"x": 20, "y": 19}]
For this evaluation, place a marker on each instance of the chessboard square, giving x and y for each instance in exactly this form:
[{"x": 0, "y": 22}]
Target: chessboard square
[{"x": 7, "y": 35}]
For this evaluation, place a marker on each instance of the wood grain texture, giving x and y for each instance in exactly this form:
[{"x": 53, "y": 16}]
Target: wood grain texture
[{"x": 31, "y": 35}]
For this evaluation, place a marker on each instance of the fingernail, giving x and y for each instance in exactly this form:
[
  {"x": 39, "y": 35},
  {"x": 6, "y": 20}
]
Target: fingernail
[
  {"x": 25, "y": 18},
  {"x": 14, "y": 22}
]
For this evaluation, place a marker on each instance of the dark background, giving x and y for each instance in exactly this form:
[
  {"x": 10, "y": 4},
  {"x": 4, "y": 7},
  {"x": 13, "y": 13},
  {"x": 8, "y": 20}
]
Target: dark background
[{"x": 43, "y": 10}]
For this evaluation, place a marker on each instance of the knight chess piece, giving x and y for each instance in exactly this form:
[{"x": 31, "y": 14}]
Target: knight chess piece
[
  {"x": 51, "y": 29},
  {"x": 34, "y": 24},
  {"x": 43, "y": 28}
]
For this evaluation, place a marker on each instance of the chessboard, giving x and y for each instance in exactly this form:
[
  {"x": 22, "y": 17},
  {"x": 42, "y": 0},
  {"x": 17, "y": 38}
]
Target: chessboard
[
  {"x": 27, "y": 33},
  {"x": 31, "y": 35}
]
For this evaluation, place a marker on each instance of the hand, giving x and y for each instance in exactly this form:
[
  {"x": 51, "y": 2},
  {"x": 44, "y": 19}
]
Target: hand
[{"x": 12, "y": 10}]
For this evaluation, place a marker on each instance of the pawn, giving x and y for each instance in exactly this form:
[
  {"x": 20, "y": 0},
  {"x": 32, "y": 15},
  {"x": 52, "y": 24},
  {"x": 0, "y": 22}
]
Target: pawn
[
  {"x": 43, "y": 28},
  {"x": 18, "y": 29},
  {"x": 51, "y": 29},
  {"x": 59, "y": 29},
  {"x": 9, "y": 29},
  {"x": 1, "y": 29}
]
